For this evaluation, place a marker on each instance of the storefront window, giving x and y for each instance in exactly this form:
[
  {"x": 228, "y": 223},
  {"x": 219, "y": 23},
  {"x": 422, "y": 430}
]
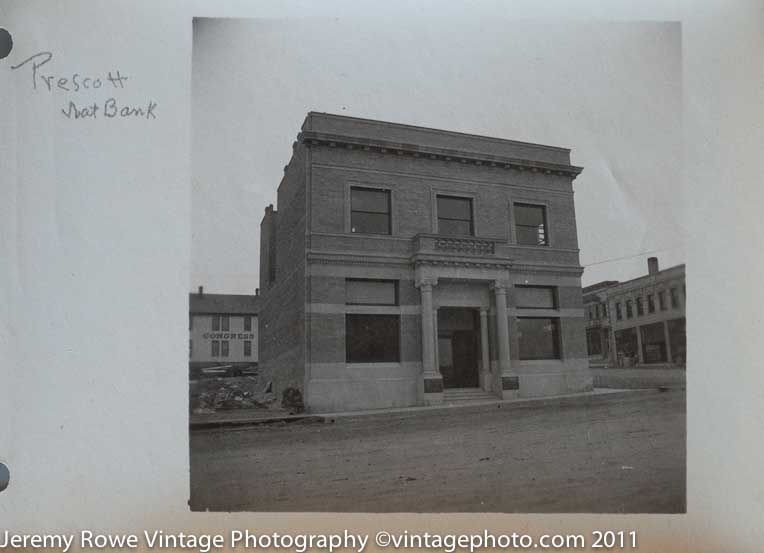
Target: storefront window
[
  {"x": 539, "y": 338},
  {"x": 372, "y": 338}
]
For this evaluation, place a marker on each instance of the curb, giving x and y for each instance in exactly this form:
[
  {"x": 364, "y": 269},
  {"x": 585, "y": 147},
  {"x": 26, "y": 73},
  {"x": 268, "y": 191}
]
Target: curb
[{"x": 588, "y": 398}]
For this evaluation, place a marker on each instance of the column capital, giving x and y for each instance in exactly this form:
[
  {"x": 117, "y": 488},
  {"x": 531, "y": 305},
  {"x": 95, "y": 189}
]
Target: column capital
[
  {"x": 499, "y": 286},
  {"x": 426, "y": 282}
]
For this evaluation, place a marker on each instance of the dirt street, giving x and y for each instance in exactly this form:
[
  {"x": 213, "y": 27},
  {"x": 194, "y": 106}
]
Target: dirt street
[{"x": 602, "y": 455}]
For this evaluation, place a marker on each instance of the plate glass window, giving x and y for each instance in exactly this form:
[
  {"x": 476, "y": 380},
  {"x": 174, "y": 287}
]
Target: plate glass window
[
  {"x": 369, "y": 211},
  {"x": 455, "y": 216},
  {"x": 372, "y": 338},
  {"x": 538, "y": 338},
  {"x": 530, "y": 225}
]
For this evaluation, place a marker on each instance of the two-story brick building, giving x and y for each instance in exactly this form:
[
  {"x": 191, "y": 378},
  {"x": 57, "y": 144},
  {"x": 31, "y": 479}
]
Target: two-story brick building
[
  {"x": 640, "y": 321},
  {"x": 408, "y": 266}
]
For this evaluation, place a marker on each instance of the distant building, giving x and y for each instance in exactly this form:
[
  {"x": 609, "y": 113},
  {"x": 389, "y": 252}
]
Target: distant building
[
  {"x": 223, "y": 329},
  {"x": 640, "y": 321},
  {"x": 411, "y": 266}
]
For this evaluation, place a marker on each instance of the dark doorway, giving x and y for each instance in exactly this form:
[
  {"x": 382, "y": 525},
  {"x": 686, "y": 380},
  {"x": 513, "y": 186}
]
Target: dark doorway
[{"x": 459, "y": 346}]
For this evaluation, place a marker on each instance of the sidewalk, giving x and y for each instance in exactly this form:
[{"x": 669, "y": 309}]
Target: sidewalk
[
  {"x": 639, "y": 378},
  {"x": 250, "y": 417}
]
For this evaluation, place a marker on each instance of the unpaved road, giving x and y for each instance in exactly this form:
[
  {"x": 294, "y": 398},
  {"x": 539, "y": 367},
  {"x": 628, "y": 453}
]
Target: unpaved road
[{"x": 605, "y": 455}]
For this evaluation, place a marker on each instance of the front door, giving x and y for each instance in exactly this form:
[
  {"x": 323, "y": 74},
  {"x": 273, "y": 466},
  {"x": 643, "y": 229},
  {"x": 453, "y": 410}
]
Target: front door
[{"x": 458, "y": 347}]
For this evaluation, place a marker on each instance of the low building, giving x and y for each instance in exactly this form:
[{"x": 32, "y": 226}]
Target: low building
[
  {"x": 223, "y": 330},
  {"x": 643, "y": 318},
  {"x": 411, "y": 266}
]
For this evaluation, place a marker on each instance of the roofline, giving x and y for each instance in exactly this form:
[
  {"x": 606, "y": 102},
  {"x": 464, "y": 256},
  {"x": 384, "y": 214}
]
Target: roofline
[
  {"x": 444, "y": 131},
  {"x": 648, "y": 275}
]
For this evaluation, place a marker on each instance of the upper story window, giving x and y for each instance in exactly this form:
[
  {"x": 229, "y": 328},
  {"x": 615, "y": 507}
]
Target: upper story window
[
  {"x": 530, "y": 225},
  {"x": 650, "y": 303},
  {"x": 674, "y": 298},
  {"x": 370, "y": 211},
  {"x": 371, "y": 292},
  {"x": 216, "y": 322},
  {"x": 618, "y": 314},
  {"x": 604, "y": 310},
  {"x": 640, "y": 307},
  {"x": 455, "y": 216},
  {"x": 662, "y": 299},
  {"x": 629, "y": 311},
  {"x": 536, "y": 297},
  {"x": 225, "y": 323},
  {"x": 248, "y": 323}
]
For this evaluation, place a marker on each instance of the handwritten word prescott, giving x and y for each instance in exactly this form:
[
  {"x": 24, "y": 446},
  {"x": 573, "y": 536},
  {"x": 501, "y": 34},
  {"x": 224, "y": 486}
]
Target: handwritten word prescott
[{"x": 43, "y": 79}]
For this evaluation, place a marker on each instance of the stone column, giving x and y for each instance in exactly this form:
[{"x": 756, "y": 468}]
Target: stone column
[
  {"x": 509, "y": 382},
  {"x": 667, "y": 337},
  {"x": 640, "y": 353},
  {"x": 432, "y": 380},
  {"x": 485, "y": 364}
]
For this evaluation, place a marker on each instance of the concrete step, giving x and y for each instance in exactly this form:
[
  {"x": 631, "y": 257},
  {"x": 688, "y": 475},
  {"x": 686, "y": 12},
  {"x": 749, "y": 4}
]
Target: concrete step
[{"x": 451, "y": 395}]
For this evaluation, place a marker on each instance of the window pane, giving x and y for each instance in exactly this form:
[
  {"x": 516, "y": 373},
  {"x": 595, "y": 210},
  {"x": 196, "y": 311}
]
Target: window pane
[
  {"x": 529, "y": 215},
  {"x": 538, "y": 338},
  {"x": 215, "y": 348},
  {"x": 371, "y": 292},
  {"x": 450, "y": 227},
  {"x": 372, "y": 338},
  {"x": 370, "y": 223},
  {"x": 247, "y": 323},
  {"x": 225, "y": 323},
  {"x": 653, "y": 343},
  {"x": 247, "y": 348},
  {"x": 367, "y": 199},
  {"x": 534, "y": 236},
  {"x": 216, "y": 322},
  {"x": 224, "y": 348},
  {"x": 536, "y": 297},
  {"x": 674, "y": 298},
  {"x": 450, "y": 207}
]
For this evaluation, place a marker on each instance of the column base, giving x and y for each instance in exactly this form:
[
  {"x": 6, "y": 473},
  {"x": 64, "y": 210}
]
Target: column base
[
  {"x": 433, "y": 389},
  {"x": 485, "y": 381}
]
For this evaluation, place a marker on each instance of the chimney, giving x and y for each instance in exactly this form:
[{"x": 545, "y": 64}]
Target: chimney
[
  {"x": 201, "y": 290},
  {"x": 652, "y": 265}
]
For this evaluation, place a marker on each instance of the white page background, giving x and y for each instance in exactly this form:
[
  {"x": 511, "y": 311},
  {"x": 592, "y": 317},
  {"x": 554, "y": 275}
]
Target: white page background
[{"x": 94, "y": 242}]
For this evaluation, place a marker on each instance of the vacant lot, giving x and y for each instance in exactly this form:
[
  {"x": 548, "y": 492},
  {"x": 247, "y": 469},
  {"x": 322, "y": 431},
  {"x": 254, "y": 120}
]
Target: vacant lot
[{"x": 605, "y": 454}]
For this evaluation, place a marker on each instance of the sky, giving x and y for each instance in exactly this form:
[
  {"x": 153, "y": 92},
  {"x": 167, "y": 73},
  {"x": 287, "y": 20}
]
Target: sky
[{"x": 609, "y": 91}]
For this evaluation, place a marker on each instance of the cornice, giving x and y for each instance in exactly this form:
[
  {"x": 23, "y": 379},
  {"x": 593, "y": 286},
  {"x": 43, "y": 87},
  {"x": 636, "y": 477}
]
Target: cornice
[{"x": 314, "y": 138}]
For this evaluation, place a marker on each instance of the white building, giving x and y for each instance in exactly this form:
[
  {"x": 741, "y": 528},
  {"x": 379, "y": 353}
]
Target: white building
[{"x": 222, "y": 329}]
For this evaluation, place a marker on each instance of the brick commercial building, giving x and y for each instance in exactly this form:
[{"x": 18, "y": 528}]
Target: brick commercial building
[
  {"x": 410, "y": 266},
  {"x": 222, "y": 330},
  {"x": 640, "y": 321}
]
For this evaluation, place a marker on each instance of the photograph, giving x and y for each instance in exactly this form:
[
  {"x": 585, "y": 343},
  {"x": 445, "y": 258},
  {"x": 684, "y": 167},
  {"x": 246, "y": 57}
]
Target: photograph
[{"x": 417, "y": 287}]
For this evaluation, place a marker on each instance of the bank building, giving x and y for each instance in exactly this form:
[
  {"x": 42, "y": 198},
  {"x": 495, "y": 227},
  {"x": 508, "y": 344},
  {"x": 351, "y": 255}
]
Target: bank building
[{"x": 411, "y": 266}]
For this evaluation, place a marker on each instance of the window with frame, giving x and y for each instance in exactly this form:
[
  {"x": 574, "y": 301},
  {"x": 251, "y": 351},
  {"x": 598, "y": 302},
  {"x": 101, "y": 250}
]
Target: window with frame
[
  {"x": 370, "y": 211},
  {"x": 674, "y": 298},
  {"x": 531, "y": 224},
  {"x": 224, "y": 348},
  {"x": 371, "y": 292},
  {"x": 662, "y": 300},
  {"x": 247, "y": 348},
  {"x": 604, "y": 310},
  {"x": 629, "y": 311},
  {"x": 536, "y": 297},
  {"x": 640, "y": 307},
  {"x": 371, "y": 338},
  {"x": 455, "y": 216},
  {"x": 618, "y": 314},
  {"x": 650, "y": 303},
  {"x": 225, "y": 323},
  {"x": 248, "y": 323},
  {"x": 538, "y": 338},
  {"x": 216, "y": 322},
  {"x": 215, "y": 348},
  {"x": 190, "y": 348}
]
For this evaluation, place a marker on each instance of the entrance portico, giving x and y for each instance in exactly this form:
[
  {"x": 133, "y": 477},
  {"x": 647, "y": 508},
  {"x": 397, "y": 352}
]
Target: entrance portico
[{"x": 465, "y": 325}]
